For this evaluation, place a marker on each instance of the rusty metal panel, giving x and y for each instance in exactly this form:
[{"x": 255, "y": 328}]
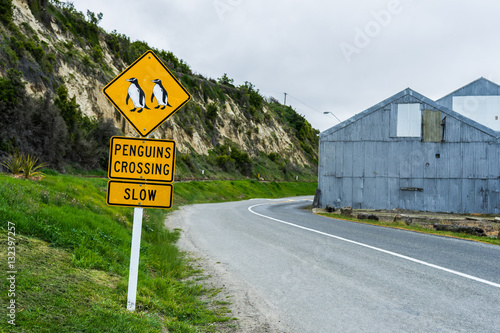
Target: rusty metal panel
[{"x": 432, "y": 126}]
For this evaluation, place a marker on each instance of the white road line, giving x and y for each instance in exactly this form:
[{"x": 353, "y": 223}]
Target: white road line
[{"x": 377, "y": 249}]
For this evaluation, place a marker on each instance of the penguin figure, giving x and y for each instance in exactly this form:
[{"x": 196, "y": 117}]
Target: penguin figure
[
  {"x": 160, "y": 94},
  {"x": 136, "y": 94}
]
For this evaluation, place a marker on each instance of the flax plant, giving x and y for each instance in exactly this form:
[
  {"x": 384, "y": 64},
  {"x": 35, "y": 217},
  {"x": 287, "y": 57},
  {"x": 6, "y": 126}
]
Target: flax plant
[
  {"x": 13, "y": 163},
  {"x": 30, "y": 166}
]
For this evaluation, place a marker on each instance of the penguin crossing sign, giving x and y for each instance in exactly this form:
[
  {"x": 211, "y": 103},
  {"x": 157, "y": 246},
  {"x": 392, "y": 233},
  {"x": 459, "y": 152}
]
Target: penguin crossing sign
[
  {"x": 146, "y": 93},
  {"x": 141, "y": 159}
]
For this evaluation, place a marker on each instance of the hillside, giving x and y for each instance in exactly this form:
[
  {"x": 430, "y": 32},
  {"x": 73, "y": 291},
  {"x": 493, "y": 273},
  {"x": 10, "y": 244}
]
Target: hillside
[{"x": 54, "y": 62}]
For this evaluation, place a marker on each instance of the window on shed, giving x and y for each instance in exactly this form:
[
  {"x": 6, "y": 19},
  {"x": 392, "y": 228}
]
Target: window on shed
[{"x": 409, "y": 122}]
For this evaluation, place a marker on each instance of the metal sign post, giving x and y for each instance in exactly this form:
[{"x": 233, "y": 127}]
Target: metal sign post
[{"x": 134, "y": 259}]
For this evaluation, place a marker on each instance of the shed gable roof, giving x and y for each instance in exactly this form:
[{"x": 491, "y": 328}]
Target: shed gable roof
[
  {"x": 479, "y": 87},
  {"x": 421, "y": 98}
]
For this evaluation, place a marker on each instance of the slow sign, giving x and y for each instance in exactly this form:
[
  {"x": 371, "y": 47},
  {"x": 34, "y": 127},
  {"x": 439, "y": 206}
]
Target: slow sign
[
  {"x": 141, "y": 159},
  {"x": 149, "y": 195}
]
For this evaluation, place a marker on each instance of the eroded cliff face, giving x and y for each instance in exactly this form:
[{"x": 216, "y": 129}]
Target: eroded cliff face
[
  {"x": 249, "y": 135},
  {"x": 85, "y": 85}
]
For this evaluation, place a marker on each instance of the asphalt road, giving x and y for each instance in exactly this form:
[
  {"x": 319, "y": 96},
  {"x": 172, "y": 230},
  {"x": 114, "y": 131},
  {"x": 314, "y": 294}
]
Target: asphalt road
[{"x": 325, "y": 275}]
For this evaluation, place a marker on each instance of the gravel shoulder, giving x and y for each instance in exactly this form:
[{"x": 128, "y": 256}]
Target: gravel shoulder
[{"x": 254, "y": 314}]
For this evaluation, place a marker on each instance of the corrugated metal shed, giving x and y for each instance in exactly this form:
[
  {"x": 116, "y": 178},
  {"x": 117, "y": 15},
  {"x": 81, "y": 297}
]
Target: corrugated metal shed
[{"x": 453, "y": 166}]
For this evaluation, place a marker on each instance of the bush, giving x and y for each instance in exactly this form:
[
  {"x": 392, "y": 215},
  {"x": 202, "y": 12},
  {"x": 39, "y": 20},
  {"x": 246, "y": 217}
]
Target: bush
[
  {"x": 273, "y": 157},
  {"x": 212, "y": 111},
  {"x": 225, "y": 162},
  {"x": 226, "y": 80},
  {"x": 97, "y": 54},
  {"x": 11, "y": 89},
  {"x": 49, "y": 132},
  {"x": 252, "y": 95},
  {"x": 70, "y": 110},
  {"x": 6, "y": 11},
  {"x": 242, "y": 161}
]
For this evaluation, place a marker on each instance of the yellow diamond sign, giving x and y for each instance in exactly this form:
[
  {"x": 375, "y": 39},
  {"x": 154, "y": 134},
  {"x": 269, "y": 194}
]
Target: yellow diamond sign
[{"x": 146, "y": 93}]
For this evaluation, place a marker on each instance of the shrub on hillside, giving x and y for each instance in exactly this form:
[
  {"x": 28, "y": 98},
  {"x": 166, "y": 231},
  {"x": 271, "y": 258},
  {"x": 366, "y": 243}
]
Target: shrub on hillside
[
  {"x": 56, "y": 132},
  {"x": 212, "y": 111},
  {"x": 6, "y": 11}
]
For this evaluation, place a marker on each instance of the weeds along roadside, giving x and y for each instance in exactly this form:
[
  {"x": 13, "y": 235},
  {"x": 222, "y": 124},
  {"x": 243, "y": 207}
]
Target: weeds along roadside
[
  {"x": 73, "y": 252},
  {"x": 415, "y": 228}
]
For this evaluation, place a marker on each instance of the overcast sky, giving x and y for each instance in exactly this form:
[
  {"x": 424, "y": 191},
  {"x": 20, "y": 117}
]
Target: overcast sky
[{"x": 337, "y": 56}]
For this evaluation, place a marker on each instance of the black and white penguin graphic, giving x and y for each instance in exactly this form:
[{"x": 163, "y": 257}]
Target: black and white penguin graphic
[
  {"x": 160, "y": 93},
  {"x": 136, "y": 94}
]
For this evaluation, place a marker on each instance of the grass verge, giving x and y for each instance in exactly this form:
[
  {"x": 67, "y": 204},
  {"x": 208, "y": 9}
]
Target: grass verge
[
  {"x": 72, "y": 256},
  {"x": 416, "y": 228}
]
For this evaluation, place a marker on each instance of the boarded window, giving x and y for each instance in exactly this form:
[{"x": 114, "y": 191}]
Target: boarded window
[
  {"x": 409, "y": 122},
  {"x": 432, "y": 126}
]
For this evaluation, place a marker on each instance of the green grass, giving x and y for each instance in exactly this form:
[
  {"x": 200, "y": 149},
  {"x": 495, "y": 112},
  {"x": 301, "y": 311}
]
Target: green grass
[
  {"x": 220, "y": 191},
  {"x": 416, "y": 228},
  {"x": 72, "y": 257}
]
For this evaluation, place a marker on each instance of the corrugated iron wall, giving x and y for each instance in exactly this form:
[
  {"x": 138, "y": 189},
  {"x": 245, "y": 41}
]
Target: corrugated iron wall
[{"x": 364, "y": 165}]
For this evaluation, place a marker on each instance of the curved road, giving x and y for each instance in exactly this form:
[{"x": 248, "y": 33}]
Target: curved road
[{"x": 327, "y": 275}]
